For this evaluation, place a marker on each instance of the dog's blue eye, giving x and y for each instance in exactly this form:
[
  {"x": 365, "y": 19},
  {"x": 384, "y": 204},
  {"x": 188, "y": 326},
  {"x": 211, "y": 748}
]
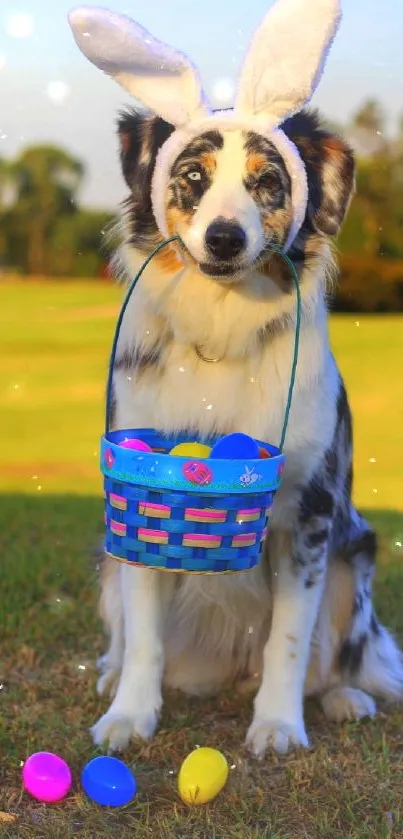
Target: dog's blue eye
[{"x": 194, "y": 176}]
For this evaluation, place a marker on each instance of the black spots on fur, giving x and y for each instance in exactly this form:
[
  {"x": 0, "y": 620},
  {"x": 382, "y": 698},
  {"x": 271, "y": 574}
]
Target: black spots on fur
[
  {"x": 348, "y": 482},
  {"x": 258, "y": 144},
  {"x": 316, "y": 500},
  {"x": 193, "y": 170},
  {"x": 112, "y": 407},
  {"x": 375, "y": 625},
  {"x": 329, "y": 164},
  {"x": 344, "y": 422},
  {"x": 336, "y": 471},
  {"x": 313, "y": 540},
  {"x": 342, "y": 407},
  {"x": 275, "y": 327},
  {"x": 351, "y": 654},
  {"x": 266, "y": 177},
  {"x": 141, "y": 136},
  {"x": 331, "y": 464},
  {"x": 312, "y": 580},
  {"x": 363, "y": 545},
  {"x": 206, "y": 143},
  {"x": 358, "y": 603},
  {"x": 138, "y": 360},
  {"x": 310, "y": 547}
]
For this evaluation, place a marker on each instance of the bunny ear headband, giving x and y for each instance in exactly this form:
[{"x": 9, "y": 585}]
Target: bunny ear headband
[{"x": 280, "y": 73}]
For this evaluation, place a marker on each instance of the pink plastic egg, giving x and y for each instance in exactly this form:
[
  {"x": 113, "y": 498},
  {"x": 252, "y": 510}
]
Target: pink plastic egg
[
  {"x": 137, "y": 445},
  {"x": 46, "y": 777}
]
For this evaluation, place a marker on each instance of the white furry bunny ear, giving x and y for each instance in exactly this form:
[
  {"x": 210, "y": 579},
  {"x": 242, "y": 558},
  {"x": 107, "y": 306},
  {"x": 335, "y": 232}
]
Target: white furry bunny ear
[
  {"x": 157, "y": 75},
  {"x": 286, "y": 58}
]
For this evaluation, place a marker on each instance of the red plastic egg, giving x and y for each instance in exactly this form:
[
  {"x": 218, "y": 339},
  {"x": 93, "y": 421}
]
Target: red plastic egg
[{"x": 263, "y": 453}]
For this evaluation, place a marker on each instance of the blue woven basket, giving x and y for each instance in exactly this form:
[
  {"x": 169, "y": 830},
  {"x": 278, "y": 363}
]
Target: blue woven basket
[{"x": 180, "y": 514}]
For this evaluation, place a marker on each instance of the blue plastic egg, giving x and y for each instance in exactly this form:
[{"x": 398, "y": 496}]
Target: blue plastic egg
[
  {"x": 236, "y": 447},
  {"x": 108, "y": 781}
]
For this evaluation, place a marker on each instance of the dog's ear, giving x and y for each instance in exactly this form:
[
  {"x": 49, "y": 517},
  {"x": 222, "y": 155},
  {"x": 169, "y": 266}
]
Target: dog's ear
[
  {"x": 330, "y": 169},
  {"x": 141, "y": 136}
]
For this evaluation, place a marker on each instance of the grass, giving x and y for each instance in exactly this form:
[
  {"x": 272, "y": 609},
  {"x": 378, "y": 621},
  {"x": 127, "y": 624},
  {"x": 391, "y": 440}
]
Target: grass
[{"x": 54, "y": 348}]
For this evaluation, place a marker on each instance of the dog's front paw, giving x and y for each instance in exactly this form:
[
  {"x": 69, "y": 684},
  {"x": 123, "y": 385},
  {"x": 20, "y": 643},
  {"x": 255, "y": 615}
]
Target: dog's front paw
[
  {"x": 278, "y": 734},
  {"x": 115, "y": 729}
]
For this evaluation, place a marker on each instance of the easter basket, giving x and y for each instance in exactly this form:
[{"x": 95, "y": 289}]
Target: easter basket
[{"x": 187, "y": 514}]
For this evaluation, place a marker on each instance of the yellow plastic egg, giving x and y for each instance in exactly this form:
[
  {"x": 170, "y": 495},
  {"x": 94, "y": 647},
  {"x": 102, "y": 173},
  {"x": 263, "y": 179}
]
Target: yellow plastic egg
[
  {"x": 202, "y": 776},
  {"x": 198, "y": 450}
]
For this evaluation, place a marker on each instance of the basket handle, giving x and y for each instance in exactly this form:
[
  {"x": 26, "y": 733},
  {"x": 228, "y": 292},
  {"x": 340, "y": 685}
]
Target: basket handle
[{"x": 124, "y": 307}]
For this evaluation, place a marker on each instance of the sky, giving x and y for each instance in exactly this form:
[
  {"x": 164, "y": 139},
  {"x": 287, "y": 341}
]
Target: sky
[{"x": 50, "y": 93}]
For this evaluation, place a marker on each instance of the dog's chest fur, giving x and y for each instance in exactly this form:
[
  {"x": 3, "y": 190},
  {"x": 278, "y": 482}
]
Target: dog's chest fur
[{"x": 161, "y": 382}]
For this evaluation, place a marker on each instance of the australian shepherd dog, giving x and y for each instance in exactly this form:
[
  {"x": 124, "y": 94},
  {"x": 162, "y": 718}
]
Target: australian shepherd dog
[{"x": 302, "y": 622}]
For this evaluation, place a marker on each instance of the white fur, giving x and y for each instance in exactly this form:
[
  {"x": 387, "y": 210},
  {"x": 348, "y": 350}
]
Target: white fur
[
  {"x": 278, "y": 718},
  {"x": 137, "y": 703},
  {"x": 227, "y": 198}
]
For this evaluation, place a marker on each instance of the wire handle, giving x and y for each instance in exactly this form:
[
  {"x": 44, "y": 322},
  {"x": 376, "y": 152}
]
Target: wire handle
[{"x": 124, "y": 307}]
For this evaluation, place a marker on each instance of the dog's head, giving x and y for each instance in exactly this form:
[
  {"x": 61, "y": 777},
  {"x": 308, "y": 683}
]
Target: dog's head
[
  {"x": 248, "y": 184},
  {"x": 228, "y": 193},
  {"x": 229, "y": 184}
]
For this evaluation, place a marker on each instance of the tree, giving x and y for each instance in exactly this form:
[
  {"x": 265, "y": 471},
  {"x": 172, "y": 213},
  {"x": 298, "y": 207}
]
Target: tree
[
  {"x": 370, "y": 116},
  {"x": 75, "y": 245},
  {"x": 4, "y": 188},
  {"x": 367, "y": 130},
  {"x": 46, "y": 180}
]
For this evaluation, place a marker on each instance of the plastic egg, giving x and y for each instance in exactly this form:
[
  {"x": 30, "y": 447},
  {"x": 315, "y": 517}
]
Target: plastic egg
[
  {"x": 46, "y": 777},
  {"x": 263, "y": 453},
  {"x": 202, "y": 776},
  {"x": 191, "y": 450},
  {"x": 236, "y": 447},
  {"x": 137, "y": 445},
  {"x": 108, "y": 781}
]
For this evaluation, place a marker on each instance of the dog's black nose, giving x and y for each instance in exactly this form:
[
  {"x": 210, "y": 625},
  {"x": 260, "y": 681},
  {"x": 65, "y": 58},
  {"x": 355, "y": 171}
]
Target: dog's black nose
[{"x": 225, "y": 239}]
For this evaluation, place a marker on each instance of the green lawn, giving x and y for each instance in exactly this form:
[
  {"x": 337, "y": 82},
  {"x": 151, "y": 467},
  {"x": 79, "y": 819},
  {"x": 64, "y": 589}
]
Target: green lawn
[{"x": 55, "y": 340}]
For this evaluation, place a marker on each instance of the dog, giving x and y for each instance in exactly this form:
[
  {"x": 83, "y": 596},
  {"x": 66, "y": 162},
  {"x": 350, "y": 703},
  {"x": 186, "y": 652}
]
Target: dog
[
  {"x": 303, "y": 620},
  {"x": 206, "y": 347}
]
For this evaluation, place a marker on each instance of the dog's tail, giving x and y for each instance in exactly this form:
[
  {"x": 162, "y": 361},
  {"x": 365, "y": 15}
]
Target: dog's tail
[
  {"x": 369, "y": 657},
  {"x": 381, "y": 669}
]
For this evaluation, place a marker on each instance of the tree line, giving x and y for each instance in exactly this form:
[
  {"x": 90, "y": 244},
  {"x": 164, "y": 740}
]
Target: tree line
[{"x": 43, "y": 229}]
